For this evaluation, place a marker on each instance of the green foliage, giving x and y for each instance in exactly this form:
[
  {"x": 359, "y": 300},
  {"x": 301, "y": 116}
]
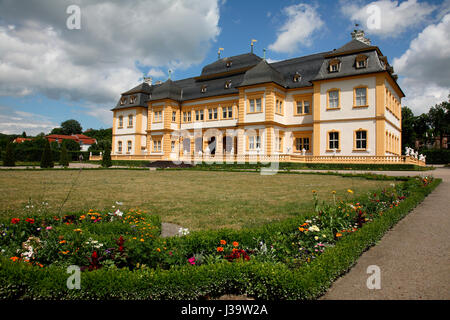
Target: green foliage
[
  {"x": 64, "y": 156},
  {"x": 9, "y": 160},
  {"x": 106, "y": 159},
  {"x": 71, "y": 145},
  {"x": 260, "y": 278},
  {"x": 70, "y": 127},
  {"x": 47, "y": 157},
  {"x": 436, "y": 156}
]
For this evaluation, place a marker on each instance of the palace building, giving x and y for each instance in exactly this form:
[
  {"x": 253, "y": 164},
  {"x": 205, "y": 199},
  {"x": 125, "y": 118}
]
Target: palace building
[{"x": 338, "y": 106}]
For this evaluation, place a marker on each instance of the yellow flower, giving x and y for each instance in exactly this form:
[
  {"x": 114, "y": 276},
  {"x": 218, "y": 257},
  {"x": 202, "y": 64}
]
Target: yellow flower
[
  {"x": 158, "y": 249},
  {"x": 349, "y": 190},
  {"x": 333, "y": 192},
  {"x": 77, "y": 230},
  {"x": 314, "y": 191},
  {"x": 142, "y": 240}
]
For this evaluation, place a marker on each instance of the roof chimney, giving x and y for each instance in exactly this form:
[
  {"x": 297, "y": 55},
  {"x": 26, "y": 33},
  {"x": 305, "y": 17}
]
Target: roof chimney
[{"x": 359, "y": 35}]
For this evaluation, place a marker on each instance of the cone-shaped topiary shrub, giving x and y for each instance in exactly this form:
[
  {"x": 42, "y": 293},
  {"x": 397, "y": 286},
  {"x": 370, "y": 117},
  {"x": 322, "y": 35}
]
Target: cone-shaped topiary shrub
[
  {"x": 106, "y": 159},
  {"x": 64, "y": 156},
  {"x": 47, "y": 160},
  {"x": 9, "y": 160}
]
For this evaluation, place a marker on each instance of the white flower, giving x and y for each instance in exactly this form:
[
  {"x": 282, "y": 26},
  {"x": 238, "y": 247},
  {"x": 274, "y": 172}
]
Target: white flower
[
  {"x": 183, "y": 231},
  {"x": 314, "y": 228},
  {"x": 119, "y": 203},
  {"x": 118, "y": 213}
]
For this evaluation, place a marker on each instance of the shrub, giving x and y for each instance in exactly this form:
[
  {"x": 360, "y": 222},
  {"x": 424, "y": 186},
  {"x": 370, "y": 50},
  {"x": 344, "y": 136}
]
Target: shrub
[
  {"x": 106, "y": 159},
  {"x": 47, "y": 157},
  {"x": 64, "y": 157},
  {"x": 437, "y": 156},
  {"x": 9, "y": 159}
]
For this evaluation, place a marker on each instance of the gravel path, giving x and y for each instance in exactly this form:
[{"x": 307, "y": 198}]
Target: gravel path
[{"x": 413, "y": 257}]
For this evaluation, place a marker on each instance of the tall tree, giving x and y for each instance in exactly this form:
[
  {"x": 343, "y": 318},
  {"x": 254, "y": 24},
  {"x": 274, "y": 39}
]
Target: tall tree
[
  {"x": 71, "y": 127},
  {"x": 437, "y": 121},
  {"x": 408, "y": 133}
]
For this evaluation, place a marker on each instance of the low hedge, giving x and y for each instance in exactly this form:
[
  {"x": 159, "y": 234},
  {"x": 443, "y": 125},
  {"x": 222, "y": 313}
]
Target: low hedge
[
  {"x": 437, "y": 156},
  {"x": 257, "y": 279}
]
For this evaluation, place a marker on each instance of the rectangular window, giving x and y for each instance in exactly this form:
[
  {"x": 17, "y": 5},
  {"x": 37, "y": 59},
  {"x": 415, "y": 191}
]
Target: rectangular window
[
  {"x": 279, "y": 106},
  {"x": 361, "y": 139},
  {"x": 299, "y": 107},
  {"x": 212, "y": 114},
  {"x": 184, "y": 116},
  {"x": 279, "y": 144},
  {"x": 156, "y": 145},
  {"x": 130, "y": 120},
  {"x": 333, "y": 140},
  {"x": 252, "y": 105},
  {"x": 119, "y": 147},
  {"x": 306, "y": 108},
  {"x": 172, "y": 146},
  {"x": 361, "y": 96},
  {"x": 157, "y": 116},
  {"x": 302, "y": 143},
  {"x": 254, "y": 142},
  {"x": 189, "y": 116},
  {"x": 230, "y": 112},
  {"x": 333, "y": 99},
  {"x": 199, "y": 115},
  {"x": 227, "y": 112},
  {"x": 255, "y": 105},
  {"x": 120, "y": 121},
  {"x": 174, "y": 116},
  {"x": 129, "y": 145}
]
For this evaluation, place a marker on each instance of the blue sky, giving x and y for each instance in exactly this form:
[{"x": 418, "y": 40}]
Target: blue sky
[{"x": 49, "y": 73}]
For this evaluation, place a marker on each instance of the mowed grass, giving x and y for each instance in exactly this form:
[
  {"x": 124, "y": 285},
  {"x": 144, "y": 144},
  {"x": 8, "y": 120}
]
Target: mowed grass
[{"x": 197, "y": 200}]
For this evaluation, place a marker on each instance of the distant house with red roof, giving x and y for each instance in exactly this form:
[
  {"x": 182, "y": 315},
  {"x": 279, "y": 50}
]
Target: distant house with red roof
[
  {"x": 21, "y": 140},
  {"x": 84, "y": 141}
]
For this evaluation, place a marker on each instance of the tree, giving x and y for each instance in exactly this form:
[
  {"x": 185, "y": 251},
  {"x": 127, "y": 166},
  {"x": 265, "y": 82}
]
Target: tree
[
  {"x": 24, "y": 134},
  {"x": 64, "y": 156},
  {"x": 71, "y": 126},
  {"x": 437, "y": 121},
  {"x": 421, "y": 128},
  {"x": 59, "y": 131},
  {"x": 106, "y": 159},
  {"x": 47, "y": 158},
  {"x": 9, "y": 160},
  {"x": 71, "y": 145},
  {"x": 408, "y": 134}
]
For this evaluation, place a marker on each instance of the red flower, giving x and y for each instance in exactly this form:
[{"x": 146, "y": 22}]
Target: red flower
[
  {"x": 29, "y": 220},
  {"x": 15, "y": 220}
]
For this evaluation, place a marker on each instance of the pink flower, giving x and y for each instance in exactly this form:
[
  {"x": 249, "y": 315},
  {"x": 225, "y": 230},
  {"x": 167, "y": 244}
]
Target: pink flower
[
  {"x": 192, "y": 261},
  {"x": 49, "y": 228}
]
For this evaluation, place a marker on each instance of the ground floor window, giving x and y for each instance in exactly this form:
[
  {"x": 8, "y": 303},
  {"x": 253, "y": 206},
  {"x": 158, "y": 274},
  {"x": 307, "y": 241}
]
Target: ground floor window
[
  {"x": 333, "y": 140},
  {"x": 254, "y": 142},
  {"x": 361, "y": 139},
  {"x": 129, "y": 145},
  {"x": 157, "y": 145},
  {"x": 302, "y": 143},
  {"x": 119, "y": 147}
]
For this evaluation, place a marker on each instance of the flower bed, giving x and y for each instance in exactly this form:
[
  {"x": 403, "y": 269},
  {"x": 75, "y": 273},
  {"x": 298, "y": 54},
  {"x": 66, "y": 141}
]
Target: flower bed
[
  {"x": 91, "y": 240},
  {"x": 294, "y": 259}
]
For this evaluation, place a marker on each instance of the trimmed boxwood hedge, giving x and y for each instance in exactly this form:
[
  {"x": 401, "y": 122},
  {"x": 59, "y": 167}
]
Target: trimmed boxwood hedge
[{"x": 273, "y": 281}]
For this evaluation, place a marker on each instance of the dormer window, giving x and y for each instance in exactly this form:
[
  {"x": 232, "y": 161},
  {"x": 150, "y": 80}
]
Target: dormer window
[
  {"x": 132, "y": 99},
  {"x": 334, "y": 65},
  {"x": 203, "y": 89},
  {"x": 361, "y": 61},
  {"x": 297, "y": 77},
  {"x": 228, "y": 84},
  {"x": 123, "y": 101},
  {"x": 229, "y": 63}
]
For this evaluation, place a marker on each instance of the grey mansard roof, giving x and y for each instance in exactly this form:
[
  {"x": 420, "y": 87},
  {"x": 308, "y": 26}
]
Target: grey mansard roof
[{"x": 249, "y": 69}]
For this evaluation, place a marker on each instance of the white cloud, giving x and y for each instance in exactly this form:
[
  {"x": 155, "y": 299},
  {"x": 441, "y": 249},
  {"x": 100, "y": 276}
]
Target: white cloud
[
  {"x": 395, "y": 18},
  {"x": 39, "y": 55},
  {"x": 15, "y": 122},
  {"x": 303, "y": 21},
  {"x": 424, "y": 67}
]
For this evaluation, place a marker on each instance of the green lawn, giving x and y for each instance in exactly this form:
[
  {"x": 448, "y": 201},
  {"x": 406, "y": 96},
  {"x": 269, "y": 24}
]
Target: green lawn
[{"x": 194, "y": 199}]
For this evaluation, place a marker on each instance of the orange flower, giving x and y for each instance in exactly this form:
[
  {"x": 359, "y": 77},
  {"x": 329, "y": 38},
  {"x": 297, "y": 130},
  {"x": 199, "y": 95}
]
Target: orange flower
[
  {"x": 301, "y": 229},
  {"x": 219, "y": 249},
  {"x": 235, "y": 244},
  {"x": 65, "y": 252},
  {"x": 158, "y": 249},
  {"x": 338, "y": 235},
  {"x": 223, "y": 242},
  {"x": 63, "y": 241},
  {"x": 14, "y": 258}
]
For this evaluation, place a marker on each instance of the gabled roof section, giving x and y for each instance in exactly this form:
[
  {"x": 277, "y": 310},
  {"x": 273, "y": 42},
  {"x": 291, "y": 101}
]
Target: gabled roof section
[
  {"x": 168, "y": 90},
  {"x": 353, "y": 47},
  {"x": 144, "y": 87},
  {"x": 229, "y": 66},
  {"x": 263, "y": 73}
]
